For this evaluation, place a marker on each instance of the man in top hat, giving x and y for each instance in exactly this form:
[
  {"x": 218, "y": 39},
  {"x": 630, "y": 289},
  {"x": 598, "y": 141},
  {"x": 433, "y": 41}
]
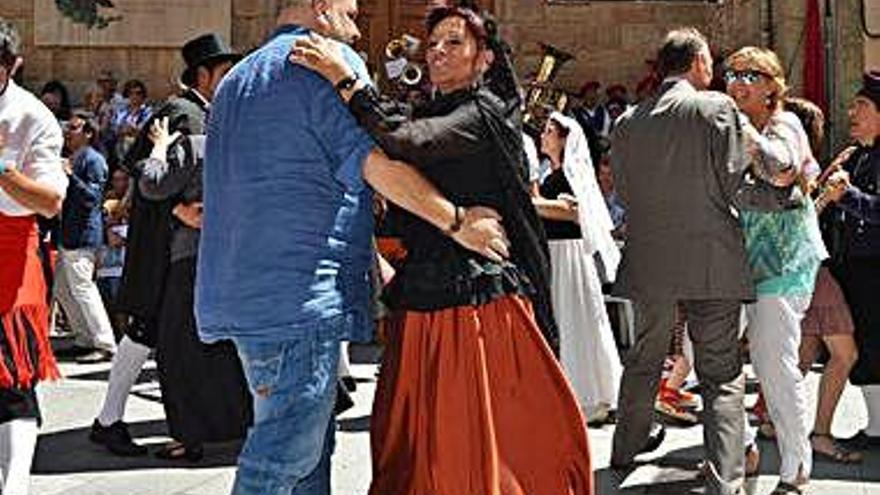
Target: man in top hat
[
  {"x": 856, "y": 257},
  {"x": 155, "y": 230}
]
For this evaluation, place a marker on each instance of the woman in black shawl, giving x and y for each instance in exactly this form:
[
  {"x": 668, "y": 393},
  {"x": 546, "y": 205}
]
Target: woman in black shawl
[{"x": 470, "y": 397}]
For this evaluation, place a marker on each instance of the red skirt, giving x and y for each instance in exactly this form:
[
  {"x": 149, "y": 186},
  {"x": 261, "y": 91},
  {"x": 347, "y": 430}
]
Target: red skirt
[
  {"x": 25, "y": 353},
  {"x": 471, "y": 401}
]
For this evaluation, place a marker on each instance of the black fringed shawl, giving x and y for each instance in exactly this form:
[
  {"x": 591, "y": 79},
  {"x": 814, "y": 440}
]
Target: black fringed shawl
[{"x": 469, "y": 144}]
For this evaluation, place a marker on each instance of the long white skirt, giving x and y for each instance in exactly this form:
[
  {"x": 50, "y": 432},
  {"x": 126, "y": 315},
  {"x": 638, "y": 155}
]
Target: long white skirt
[{"x": 588, "y": 353}]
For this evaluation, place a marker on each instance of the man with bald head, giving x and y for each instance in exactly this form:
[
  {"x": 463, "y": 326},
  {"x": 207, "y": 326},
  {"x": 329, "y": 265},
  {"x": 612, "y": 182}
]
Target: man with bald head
[{"x": 286, "y": 241}]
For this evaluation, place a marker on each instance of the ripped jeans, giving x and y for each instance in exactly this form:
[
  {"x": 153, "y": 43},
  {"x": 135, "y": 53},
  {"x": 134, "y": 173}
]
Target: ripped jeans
[{"x": 293, "y": 382}]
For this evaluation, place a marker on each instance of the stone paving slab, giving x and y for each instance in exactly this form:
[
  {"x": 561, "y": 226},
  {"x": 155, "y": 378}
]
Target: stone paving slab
[{"x": 68, "y": 464}]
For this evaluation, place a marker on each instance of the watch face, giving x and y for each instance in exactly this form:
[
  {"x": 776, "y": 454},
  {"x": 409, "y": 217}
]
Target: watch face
[{"x": 347, "y": 83}]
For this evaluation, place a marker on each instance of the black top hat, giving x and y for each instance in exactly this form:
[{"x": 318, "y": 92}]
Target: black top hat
[
  {"x": 206, "y": 49},
  {"x": 871, "y": 87}
]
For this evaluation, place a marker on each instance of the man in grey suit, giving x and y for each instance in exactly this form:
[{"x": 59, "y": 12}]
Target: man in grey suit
[{"x": 679, "y": 159}]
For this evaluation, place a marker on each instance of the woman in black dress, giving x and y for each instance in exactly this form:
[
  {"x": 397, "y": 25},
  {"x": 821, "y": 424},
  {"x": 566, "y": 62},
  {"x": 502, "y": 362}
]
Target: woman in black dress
[{"x": 204, "y": 392}]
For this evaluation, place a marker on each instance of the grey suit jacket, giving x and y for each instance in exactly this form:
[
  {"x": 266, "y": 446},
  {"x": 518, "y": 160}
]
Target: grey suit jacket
[{"x": 679, "y": 159}]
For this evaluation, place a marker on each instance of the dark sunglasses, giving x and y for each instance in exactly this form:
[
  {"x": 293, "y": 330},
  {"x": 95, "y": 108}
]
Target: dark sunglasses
[
  {"x": 745, "y": 76},
  {"x": 68, "y": 127}
]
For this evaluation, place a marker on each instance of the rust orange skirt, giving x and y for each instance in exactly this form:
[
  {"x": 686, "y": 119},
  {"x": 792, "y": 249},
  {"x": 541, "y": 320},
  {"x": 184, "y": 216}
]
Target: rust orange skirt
[{"x": 471, "y": 401}]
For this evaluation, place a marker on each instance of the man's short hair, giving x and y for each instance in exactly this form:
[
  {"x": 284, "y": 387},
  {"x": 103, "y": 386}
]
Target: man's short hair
[
  {"x": 680, "y": 48},
  {"x": 90, "y": 124},
  {"x": 10, "y": 43}
]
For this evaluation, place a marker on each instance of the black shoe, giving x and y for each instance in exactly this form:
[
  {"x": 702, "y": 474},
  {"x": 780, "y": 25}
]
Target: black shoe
[
  {"x": 860, "y": 441},
  {"x": 655, "y": 438},
  {"x": 117, "y": 439},
  {"x": 350, "y": 383},
  {"x": 73, "y": 352},
  {"x": 344, "y": 401}
]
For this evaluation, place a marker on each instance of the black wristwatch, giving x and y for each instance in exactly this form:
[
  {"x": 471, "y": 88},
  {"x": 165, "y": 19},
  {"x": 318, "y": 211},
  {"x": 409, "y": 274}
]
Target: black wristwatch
[
  {"x": 347, "y": 83},
  {"x": 457, "y": 222}
]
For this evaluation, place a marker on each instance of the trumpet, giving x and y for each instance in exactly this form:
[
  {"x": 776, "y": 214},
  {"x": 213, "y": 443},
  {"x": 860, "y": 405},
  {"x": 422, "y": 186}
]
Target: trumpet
[
  {"x": 404, "y": 46},
  {"x": 827, "y": 182},
  {"x": 411, "y": 75},
  {"x": 541, "y": 98},
  {"x": 401, "y": 66}
]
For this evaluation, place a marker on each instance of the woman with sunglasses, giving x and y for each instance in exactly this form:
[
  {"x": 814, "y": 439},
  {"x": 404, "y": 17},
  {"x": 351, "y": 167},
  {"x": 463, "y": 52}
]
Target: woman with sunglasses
[
  {"x": 470, "y": 398},
  {"x": 784, "y": 249}
]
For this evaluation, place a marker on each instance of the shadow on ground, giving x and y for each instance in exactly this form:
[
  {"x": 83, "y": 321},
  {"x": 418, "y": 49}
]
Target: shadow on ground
[
  {"x": 365, "y": 353},
  {"x": 71, "y": 451},
  {"x": 354, "y": 425},
  {"x": 678, "y": 473}
]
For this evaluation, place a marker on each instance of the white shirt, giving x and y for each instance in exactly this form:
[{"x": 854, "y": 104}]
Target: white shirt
[{"x": 33, "y": 144}]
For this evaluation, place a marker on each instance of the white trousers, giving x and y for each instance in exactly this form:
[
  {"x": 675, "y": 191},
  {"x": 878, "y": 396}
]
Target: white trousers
[
  {"x": 774, "y": 340},
  {"x": 126, "y": 367},
  {"x": 872, "y": 401},
  {"x": 76, "y": 291},
  {"x": 18, "y": 439}
]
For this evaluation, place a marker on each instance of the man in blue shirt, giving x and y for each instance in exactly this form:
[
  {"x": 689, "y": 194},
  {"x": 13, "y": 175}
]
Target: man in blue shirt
[
  {"x": 285, "y": 252},
  {"x": 82, "y": 233}
]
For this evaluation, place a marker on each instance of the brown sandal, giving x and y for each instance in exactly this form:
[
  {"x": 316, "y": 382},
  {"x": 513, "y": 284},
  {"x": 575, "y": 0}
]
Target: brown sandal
[
  {"x": 839, "y": 455},
  {"x": 767, "y": 431},
  {"x": 753, "y": 461}
]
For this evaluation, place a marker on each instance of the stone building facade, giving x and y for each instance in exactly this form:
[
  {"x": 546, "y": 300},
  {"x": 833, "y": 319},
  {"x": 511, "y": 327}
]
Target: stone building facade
[{"x": 610, "y": 39}]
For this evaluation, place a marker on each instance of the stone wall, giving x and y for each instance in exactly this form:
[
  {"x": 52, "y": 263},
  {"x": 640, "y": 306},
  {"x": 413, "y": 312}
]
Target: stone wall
[
  {"x": 610, "y": 39},
  {"x": 157, "y": 67},
  {"x": 872, "y": 53}
]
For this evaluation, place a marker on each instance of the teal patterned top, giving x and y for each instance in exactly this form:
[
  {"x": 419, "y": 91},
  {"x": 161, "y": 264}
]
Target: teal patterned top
[
  {"x": 785, "y": 247},
  {"x": 784, "y": 250}
]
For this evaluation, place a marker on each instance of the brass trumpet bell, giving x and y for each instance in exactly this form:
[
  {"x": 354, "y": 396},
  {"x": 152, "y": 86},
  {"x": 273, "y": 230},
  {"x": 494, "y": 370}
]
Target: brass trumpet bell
[
  {"x": 541, "y": 98},
  {"x": 411, "y": 75},
  {"x": 551, "y": 62},
  {"x": 404, "y": 46}
]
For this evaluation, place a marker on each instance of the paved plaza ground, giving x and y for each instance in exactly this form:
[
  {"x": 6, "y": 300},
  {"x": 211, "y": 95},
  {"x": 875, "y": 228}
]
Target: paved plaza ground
[{"x": 68, "y": 464}]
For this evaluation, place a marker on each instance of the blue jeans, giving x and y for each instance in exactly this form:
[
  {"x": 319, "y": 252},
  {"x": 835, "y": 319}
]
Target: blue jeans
[{"x": 288, "y": 449}]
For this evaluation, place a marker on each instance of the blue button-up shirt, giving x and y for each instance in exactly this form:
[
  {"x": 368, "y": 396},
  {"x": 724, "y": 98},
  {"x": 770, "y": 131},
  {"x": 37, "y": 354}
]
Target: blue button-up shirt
[{"x": 287, "y": 220}]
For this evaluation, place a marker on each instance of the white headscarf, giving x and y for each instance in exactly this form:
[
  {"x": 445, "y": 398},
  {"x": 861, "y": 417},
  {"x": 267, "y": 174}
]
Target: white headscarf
[{"x": 595, "y": 221}]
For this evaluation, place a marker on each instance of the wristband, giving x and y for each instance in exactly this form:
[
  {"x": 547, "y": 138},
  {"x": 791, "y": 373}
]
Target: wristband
[
  {"x": 346, "y": 83},
  {"x": 3, "y": 167}
]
